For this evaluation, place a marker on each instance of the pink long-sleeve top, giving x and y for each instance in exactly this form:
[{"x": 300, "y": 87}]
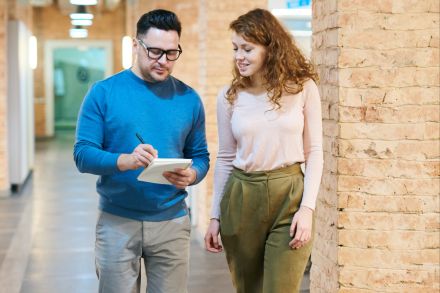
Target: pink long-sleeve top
[{"x": 252, "y": 137}]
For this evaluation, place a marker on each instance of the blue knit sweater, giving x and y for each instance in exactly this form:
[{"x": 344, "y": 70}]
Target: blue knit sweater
[{"x": 169, "y": 115}]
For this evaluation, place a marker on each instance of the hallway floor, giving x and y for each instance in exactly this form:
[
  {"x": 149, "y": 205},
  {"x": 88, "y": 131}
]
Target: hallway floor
[{"x": 47, "y": 232}]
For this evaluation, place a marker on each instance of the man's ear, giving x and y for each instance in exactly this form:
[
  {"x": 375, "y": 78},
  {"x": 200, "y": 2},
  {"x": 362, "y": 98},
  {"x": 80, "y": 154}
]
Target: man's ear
[{"x": 134, "y": 44}]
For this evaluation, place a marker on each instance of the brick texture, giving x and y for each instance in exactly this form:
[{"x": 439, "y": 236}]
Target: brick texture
[
  {"x": 216, "y": 70},
  {"x": 20, "y": 10},
  {"x": 379, "y": 68},
  {"x": 325, "y": 55}
]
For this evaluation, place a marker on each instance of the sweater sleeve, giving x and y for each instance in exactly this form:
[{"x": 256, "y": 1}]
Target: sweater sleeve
[
  {"x": 312, "y": 137},
  {"x": 227, "y": 148},
  {"x": 88, "y": 151}
]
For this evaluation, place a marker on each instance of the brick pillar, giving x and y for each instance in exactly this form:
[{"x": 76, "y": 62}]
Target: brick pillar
[
  {"x": 377, "y": 216},
  {"x": 4, "y": 173},
  {"x": 324, "y": 272}
]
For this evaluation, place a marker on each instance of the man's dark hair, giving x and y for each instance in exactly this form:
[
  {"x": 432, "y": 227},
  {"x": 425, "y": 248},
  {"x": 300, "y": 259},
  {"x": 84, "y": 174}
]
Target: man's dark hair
[{"x": 160, "y": 19}]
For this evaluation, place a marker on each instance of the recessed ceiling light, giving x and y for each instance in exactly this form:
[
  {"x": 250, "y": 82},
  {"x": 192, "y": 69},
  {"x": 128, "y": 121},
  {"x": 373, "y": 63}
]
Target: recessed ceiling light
[
  {"x": 84, "y": 2},
  {"x": 78, "y": 33},
  {"x": 81, "y": 16},
  {"x": 82, "y": 22}
]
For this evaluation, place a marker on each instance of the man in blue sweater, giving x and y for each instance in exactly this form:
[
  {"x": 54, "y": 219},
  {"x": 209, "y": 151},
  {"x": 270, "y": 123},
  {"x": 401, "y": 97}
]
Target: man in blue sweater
[{"x": 140, "y": 219}]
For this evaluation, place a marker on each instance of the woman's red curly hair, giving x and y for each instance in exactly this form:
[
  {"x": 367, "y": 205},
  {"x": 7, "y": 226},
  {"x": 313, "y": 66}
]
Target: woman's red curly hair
[{"x": 285, "y": 68}]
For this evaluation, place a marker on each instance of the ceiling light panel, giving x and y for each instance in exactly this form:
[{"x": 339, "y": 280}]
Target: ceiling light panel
[{"x": 84, "y": 2}]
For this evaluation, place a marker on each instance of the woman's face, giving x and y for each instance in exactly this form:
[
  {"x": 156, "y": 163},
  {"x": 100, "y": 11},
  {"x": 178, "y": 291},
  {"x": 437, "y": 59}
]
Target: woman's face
[{"x": 249, "y": 57}]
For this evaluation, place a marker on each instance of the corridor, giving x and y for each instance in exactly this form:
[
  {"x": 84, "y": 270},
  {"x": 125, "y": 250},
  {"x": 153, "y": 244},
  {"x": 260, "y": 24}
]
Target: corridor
[{"x": 47, "y": 232}]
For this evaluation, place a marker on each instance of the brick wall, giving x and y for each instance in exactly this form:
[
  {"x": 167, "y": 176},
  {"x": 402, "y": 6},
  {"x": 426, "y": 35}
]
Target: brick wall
[
  {"x": 4, "y": 181},
  {"x": 215, "y": 72},
  {"x": 325, "y": 270},
  {"x": 379, "y": 65},
  {"x": 20, "y": 10}
]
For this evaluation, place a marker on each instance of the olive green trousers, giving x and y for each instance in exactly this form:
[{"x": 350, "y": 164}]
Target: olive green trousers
[{"x": 256, "y": 213}]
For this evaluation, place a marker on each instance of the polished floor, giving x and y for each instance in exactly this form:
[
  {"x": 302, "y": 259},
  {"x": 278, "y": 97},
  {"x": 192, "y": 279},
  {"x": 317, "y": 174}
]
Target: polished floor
[{"x": 47, "y": 232}]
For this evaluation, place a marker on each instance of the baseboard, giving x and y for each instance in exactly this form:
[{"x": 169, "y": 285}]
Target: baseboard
[{"x": 18, "y": 188}]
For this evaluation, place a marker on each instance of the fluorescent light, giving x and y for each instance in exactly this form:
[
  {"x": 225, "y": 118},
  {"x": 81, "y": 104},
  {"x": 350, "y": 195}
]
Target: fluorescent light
[
  {"x": 84, "y": 2},
  {"x": 81, "y": 16},
  {"x": 127, "y": 52},
  {"x": 33, "y": 52},
  {"x": 78, "y": 33},
  {"x": 83, "y": 22}
]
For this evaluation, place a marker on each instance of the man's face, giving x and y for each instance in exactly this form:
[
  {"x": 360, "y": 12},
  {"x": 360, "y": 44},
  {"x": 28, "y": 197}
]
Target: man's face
[{"x": 155, "y": 69}]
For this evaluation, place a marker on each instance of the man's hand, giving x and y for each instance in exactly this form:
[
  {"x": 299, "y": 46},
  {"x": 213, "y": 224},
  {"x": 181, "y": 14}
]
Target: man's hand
[
  {"x": 181, "y": 178},
  {"x": 211, "y": 237},
  {"x": 141, "y": 156}
]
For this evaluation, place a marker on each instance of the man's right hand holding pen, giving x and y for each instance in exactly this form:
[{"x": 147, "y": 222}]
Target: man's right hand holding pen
[
  {"x": 144, "y": 154},
  {"x": 141, "y": 156}
]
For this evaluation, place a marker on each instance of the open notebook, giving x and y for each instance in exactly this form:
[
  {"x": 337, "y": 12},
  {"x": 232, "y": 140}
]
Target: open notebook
[{"x": 153, "y": 173}]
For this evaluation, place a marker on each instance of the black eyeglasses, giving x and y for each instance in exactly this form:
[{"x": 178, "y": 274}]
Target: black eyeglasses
[{"x": 157, "y": 53}]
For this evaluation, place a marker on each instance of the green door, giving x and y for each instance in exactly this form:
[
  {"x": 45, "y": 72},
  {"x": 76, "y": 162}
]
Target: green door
[{"x": 75, "y": 70}]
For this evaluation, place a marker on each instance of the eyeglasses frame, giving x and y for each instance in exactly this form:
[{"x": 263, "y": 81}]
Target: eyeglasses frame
[{"x": 147, "y": 49}]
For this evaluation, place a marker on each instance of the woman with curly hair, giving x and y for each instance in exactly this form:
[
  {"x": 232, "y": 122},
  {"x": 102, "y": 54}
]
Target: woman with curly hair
[{"x": 269, "y": 122}]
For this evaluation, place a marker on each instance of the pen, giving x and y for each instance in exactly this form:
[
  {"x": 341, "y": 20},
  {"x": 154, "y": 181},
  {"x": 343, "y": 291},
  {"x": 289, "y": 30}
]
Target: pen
[{"x": 140, "y": 138}]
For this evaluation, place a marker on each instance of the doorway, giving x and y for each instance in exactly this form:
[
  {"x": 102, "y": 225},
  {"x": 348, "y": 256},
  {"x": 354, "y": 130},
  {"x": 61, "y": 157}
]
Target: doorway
[{"x": 71, "y": 68}]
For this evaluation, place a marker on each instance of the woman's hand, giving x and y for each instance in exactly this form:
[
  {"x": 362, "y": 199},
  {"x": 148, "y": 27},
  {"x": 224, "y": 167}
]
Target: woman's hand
[
  {"x": 211, "y": 237},
  {"x": 301, "y": 228}
]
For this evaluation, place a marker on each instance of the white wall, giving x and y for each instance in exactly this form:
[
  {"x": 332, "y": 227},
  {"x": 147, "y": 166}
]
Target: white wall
[{"x": 20, "y": 104}]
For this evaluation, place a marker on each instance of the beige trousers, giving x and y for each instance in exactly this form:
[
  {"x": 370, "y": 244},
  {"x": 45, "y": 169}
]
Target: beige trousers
[{"x": 121, "y": 243}]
